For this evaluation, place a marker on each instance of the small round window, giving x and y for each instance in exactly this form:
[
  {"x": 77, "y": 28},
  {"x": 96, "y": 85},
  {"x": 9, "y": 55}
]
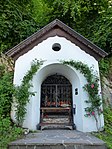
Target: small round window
[{"x": 56, "y": 47}]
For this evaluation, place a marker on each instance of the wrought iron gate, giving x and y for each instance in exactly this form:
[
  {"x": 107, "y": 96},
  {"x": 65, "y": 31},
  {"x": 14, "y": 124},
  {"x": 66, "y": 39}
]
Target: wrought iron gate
[
  {"x": 56, "y": 102},
  {"x": 56, "y": 91}
]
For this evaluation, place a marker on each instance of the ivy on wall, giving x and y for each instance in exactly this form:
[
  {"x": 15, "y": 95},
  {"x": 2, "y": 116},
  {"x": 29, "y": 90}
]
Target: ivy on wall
[
  {"x": 22, "y": 92},
  {"x": 94, "y": 102}
]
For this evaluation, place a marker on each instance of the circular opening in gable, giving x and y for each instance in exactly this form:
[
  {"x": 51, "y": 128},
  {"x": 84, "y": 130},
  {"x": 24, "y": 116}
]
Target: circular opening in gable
[{"x": 56, "y": 47}]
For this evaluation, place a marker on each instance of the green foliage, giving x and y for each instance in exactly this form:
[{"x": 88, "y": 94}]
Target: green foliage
[
  {"x": 68, "y": 10},
  {"x": 6, "y": 91},
  {"x": 22, "y": 92},
  {"x": 8, "y": 132},
  {"x": 91, "y": 88},
  {"x": 106, "y": 135},
  {"x": 71, "y": 11},
  {"x": 102, "y": 35},
  {"x": 40, "y": 12},
  {"x": 98, "y": 27},
  {"x": 104, "y": 67},
  {"x": 16, "y": 23},
  {"x": 110, "y": 66}
]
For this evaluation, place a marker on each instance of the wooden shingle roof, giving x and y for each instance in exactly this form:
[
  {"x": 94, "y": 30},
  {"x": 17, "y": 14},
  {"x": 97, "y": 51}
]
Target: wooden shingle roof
[{"x": 56, "y": 28}]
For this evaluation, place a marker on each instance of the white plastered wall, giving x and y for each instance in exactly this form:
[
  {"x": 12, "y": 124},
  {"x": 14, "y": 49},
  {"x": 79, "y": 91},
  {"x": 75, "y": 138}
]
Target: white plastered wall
[{"x": 43, "y": 51}]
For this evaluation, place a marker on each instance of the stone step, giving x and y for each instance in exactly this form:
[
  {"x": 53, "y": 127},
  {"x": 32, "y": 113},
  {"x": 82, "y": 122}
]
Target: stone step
[
  {"x": 58, "y": 139},
  {"x": 56, "y": 126},
  {"x": 57, "y": 146}
]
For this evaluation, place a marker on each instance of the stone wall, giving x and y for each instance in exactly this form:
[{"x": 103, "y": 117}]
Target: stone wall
[{"x": 107, "y": 91}]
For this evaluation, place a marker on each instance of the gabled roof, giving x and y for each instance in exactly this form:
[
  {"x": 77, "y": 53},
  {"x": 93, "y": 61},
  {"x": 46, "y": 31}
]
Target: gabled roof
[{"x": 60, "y": 29}]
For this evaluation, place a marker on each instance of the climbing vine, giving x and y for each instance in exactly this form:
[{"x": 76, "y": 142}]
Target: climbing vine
[
  {"x": 91, "y": 88},
  {"x": 22, "y": 92}
]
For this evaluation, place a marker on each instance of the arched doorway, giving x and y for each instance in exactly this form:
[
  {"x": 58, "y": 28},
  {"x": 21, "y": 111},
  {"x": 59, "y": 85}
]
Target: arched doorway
[{"x": 56, "y": 102}]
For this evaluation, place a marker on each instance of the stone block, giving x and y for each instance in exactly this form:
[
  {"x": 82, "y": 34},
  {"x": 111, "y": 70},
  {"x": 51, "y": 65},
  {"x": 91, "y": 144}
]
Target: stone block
[{"x": 57, "y": 147}]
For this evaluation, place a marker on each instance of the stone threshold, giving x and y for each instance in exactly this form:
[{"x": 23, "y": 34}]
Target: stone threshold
[{"x": 58, "y": 139}]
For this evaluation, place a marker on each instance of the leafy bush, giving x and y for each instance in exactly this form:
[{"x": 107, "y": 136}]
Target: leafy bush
[
  {"x": 8, "y": 131},
  {"x": 6, "y": 90},
  {"x": 106, "y": 135},
  {"x": 16, "y": 23}
]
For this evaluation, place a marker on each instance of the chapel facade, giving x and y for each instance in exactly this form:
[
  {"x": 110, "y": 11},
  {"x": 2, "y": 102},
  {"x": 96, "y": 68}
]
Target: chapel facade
[{"x": 59, "y": 99}]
